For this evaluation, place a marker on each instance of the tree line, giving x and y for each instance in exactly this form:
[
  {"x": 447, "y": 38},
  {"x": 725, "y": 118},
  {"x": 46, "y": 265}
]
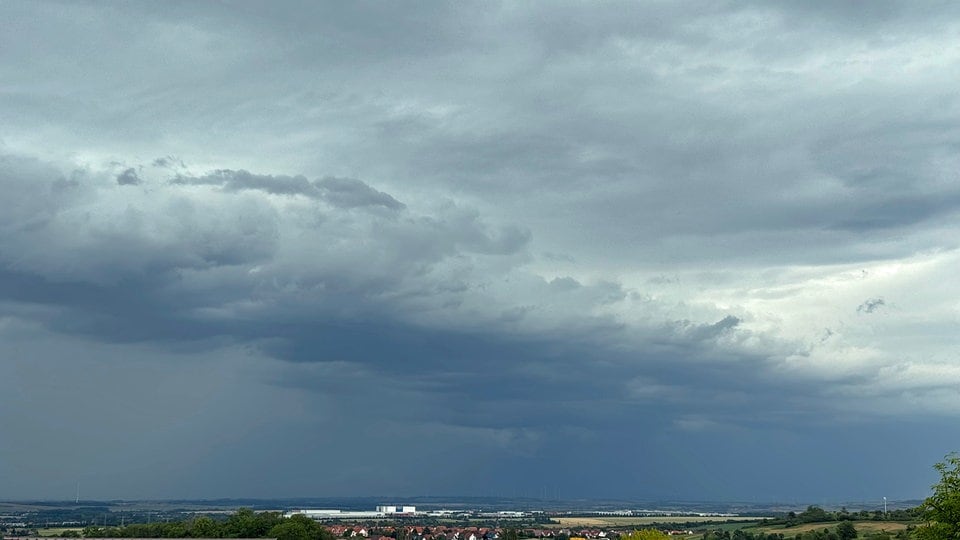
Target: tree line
[
  {"x": 245, "y": 523},
  {"x": 815, "y": 514}
]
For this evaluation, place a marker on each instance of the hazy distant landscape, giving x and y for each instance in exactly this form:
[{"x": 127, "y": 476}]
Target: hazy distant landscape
[
  {"x": 484, "y": 518},
  {"x": 51, "y": 516}
]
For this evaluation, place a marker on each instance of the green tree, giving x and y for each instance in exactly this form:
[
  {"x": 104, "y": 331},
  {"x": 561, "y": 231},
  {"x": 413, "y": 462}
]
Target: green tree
[
  {"x": 299, "y": 527},
  {"x": 645, "y": 534},
  {"x": 176, "y": 529},
  {"x": 242, "y": 524},
  {"x": 204, "y": 527},
  {"x": 814, "y": 514},
  {"x": 846, "y": 531},
  {"x": 941, "y": 510}
]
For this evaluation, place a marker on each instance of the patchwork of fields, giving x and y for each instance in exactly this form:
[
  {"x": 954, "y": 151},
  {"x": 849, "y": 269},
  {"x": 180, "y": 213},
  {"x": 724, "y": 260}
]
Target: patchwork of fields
[{"x": 863, "y": 527}]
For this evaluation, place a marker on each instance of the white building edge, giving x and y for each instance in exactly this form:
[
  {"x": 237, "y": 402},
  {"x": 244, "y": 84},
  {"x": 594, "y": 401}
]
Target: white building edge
[{"x": 380, "y": 512}]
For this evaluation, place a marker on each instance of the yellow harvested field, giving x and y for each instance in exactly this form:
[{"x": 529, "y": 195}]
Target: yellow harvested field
[
  {"x": 616, "y": 521},
  {"x": 57, "y": 531}
]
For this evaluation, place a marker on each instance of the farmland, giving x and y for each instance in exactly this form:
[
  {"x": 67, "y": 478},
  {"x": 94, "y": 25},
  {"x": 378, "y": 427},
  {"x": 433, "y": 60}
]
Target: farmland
[
  {"x": 58, "y": 531},
  {"x": 863, "y": 527}
]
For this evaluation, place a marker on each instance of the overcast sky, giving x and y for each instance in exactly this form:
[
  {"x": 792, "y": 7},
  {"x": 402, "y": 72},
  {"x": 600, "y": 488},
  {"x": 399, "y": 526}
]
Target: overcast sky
[{"x": 695, "y": 250}]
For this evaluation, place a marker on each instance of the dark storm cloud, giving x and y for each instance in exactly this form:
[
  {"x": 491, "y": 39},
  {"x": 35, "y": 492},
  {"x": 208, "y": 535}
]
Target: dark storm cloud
[
  {"x": 339, "y": 192},
  {"x": 128, "y": 177},
  {"x": 298, "y": 317},
  {"x": 499, "y": 239},
  {"x": 241, "y": 180},
  {"x": 708, "y": 331},
  {"x": 470, "y": 378},
  {"x": 473, "y": 379},
  {"x": 141, "y": 276},
  {"x": 351, "y": 193},
  {"x": 899, "y": 211},
  {"x": 519, "y": 392}
]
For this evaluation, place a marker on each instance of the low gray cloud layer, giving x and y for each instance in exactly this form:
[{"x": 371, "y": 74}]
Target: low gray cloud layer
[
  {"x": 341, "y": 192},
  {"x": 665, "y": 248}
]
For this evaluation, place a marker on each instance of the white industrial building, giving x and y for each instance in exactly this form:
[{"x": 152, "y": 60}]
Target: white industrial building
[
  {"x": 397, "y": 509},
  {"x": 381, "y": 512}
]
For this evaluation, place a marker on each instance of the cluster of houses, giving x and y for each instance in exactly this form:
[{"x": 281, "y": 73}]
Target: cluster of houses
[{"x": 445, "y": 532}]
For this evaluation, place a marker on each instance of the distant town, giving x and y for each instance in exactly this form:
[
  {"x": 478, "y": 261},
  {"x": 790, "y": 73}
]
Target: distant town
[
  {"x": 411, "y": 512},
  {"x": 479, "y": 519}
]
